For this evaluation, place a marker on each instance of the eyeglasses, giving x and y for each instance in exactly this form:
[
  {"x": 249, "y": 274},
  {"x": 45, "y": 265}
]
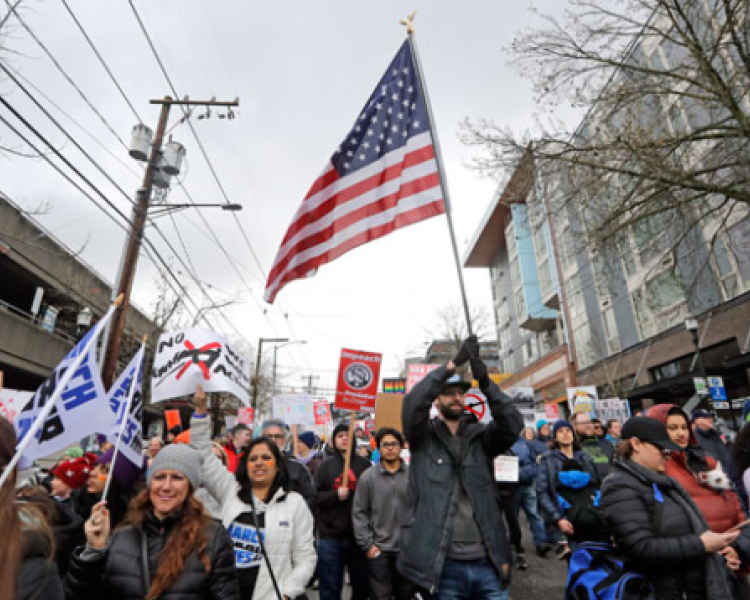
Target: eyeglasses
[
  {"x": 389, "y": 444},
  {"x": 276, "y": 436}
]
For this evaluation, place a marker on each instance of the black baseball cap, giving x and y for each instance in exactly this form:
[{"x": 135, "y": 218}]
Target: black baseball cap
[
  {"x": 649, "y": 430},
  {"x": 456, "y": 381}
]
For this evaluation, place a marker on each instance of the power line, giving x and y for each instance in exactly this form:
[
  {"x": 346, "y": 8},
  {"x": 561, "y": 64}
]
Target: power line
[
  {"x": 64, "y": 73},
  {"x": 101, "y": 60}
]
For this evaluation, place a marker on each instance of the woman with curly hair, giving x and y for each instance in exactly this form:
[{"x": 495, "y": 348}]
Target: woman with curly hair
[
  {"x": 271, "y": 527},
  {"x": 27, "y": 568},
  {"x": 167, "y": 547}
]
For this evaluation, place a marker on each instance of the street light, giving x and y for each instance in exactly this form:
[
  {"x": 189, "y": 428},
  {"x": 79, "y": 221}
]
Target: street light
[
  {"x": 691, "y": 324},
  {"x": 164, "y": 209},
  {"x": 275, "y": 350}
]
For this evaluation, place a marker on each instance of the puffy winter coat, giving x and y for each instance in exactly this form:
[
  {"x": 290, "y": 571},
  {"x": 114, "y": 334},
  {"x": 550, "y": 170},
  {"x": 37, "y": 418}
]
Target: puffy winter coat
[
  {"x": 657, "y": 527},
  {"x": 67, "y": 530},
  {"x": 527, "y": 467},
  {"x": 38, "y": 579},
  {"x": 437, "y": 470},
  {"x": 118, "y": 572},
  {"x": 288, "y": 522},
  {"x": 550, "y": 465},
  {"x": 721, "y": 510}
]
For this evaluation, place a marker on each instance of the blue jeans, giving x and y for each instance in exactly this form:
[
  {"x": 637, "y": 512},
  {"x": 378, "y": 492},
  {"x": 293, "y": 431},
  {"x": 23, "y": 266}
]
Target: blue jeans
[
  {"x": 333, "y": 556},
  {"x": 470, "y": 580},
  {"x": 526, "y": 499}
]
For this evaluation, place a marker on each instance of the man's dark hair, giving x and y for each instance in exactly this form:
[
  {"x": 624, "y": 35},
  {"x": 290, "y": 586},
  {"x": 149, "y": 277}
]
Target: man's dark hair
[
  {"x": 610, "y": 423},
  {"x": 245, "y": 493},
  {"x": 384, "y": 431},
  {"x": 239, "y": 427},
  {"x": 595, "y": 422}
]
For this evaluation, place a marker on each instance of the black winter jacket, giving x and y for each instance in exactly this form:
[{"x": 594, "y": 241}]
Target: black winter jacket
[
  {"x": 68, "y": 532},
  {"x": 38, "y": 579},
  {"x": 659, "y": 541},
  {"x": 546, "y": 482},
  {"x": 118, "y": 573},
  {"x": 333, "y": 516},
  {"x": 436, "y": 471},
  {"x": 300, "y": 480}
]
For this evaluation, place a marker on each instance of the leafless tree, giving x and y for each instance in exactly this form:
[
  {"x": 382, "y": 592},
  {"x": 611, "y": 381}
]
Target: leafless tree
[{"x": 664, "y": 147}]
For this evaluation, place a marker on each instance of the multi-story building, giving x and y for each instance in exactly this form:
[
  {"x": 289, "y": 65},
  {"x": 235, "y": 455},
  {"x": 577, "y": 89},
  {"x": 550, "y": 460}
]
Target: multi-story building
[
  {"x": 613, "y": 311},
  {"x": 46, "y": 292}
]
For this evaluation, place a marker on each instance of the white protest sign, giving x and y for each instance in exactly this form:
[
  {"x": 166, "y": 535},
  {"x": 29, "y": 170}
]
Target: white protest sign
[
  {"x": 192, "y": 356},
  {"x": 82, "y": 407},
  {"x": 12, "y": 401},
  {"x": 612, "y": 408},
  {"x": 294, "y": 409},
  {"x": 506, "y": 469},
  {"x": 127, "y": 423},
  {"x": 582, "y": 398},
  {"x": 476, "y": 403},
  {"x": 523, "y": 399}
]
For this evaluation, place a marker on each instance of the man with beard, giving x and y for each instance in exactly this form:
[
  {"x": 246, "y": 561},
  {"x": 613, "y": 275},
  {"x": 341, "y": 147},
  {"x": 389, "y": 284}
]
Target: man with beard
[
  {"x": 378, "y": 506},
  {"x": 599, "y": 451},
  {"x": 453, "y": 543}
]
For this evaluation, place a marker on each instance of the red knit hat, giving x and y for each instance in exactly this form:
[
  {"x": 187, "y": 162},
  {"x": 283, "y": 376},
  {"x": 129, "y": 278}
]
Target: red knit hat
[{"x": 73, "y": 473}]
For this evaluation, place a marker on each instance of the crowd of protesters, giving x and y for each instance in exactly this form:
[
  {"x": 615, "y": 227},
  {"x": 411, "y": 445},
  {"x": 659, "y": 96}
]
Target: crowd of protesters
[{"x": 418, "y": 513}]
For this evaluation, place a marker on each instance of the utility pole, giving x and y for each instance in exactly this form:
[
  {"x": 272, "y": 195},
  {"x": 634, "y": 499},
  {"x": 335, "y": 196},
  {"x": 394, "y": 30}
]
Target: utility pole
[
  {"x": 140, "y": 212},
  {"x": 256, "y": 379},
  {"x": 310, "y": 388}
]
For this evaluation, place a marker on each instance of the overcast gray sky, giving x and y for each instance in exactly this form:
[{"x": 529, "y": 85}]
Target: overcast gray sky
[{"x": 302, "y": 70}]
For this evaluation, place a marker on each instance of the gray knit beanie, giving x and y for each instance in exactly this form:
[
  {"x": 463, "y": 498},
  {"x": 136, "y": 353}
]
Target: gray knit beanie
[{"x": 179, "y": 457}]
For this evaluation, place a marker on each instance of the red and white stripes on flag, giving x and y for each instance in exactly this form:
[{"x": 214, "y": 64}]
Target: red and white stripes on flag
[
  {"x": 341, "y": 213},
  {"x": 384, "y": 176}
]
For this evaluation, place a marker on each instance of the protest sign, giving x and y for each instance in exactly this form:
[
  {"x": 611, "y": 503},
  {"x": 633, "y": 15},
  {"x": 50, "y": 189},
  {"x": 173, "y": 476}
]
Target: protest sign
[
  {"x": 230, "y": 421},
  {"x": 416, "y": 373},
  {"x": 612, "y": 408},
  {"x": 582, "y": 398},
  {"x": 551, "y": 411},
  {"x": 294, "y": 409},
  {"x": 357, "y": 387},
  {"x": 12, "y": 401},
  {"x": 173, "y": 418},
  {"x": 388, "y": 411},
  {"x": 506, "y": 469},
  {"x": 68, "y": 414},
  {"x": 322, "y": 412},
  {"x": 191, "y": 356},
  {"x": 394, "y": 385},
  {"x": 523, "y": 399},
  {"x": 245, "y": 416},
  {"x": 127, "y": 407},
  {"x": 476, "y": 403}
]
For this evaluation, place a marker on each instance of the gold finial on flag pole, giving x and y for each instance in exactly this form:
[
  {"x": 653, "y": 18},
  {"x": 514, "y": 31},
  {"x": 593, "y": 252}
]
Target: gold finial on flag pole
[{"x": 408, "y": 22}]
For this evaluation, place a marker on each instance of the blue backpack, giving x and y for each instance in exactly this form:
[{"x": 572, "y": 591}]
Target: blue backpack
[{"x": 597, "y": 572}]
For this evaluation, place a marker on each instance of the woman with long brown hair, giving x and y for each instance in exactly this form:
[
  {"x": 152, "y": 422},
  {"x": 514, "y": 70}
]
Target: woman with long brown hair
[
  {"x": 167, "y": 547},
  {"x": 27, "y": 571}
]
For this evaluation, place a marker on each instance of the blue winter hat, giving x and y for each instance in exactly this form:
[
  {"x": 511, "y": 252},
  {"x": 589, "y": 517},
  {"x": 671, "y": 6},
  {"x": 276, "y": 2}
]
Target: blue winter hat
[
  {"x": 307, "y": 438},
  {"x": 560, "y": 424},
  {"x": 541, "y": 423}
]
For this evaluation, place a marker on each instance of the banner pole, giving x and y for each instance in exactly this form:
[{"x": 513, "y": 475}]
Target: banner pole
[
  {"x": 64, "y": 380},
  {"x": 348, "y": 457},
  {"x": 126, "y": 413},
  {"x": 295, "y": 441},
  {"x": 440, "y": 165}
]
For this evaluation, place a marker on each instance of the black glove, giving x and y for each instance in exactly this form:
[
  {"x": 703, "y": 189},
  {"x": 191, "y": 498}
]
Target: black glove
[
  {"x": 479, "y": 369},
  {"x": 468, "y": 350}
]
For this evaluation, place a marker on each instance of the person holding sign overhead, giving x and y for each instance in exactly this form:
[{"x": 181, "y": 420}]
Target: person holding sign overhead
[
  {"x": 270, "y": 526},
  {"x": 453, "y": 543}
]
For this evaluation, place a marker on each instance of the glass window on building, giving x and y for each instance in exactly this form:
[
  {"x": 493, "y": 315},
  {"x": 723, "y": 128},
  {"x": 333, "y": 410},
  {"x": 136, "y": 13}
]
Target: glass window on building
[
  {"x": 520, "y": 298},
  {"x": 657, "y": 304},
  {"x": 610, "y": 330},
  {"x": 724, "y": 266},
  {"x": 584, "y": 350}
]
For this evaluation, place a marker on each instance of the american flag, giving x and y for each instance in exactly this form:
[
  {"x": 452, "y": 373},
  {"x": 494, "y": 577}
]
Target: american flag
[{"x": 382, "y": 177}]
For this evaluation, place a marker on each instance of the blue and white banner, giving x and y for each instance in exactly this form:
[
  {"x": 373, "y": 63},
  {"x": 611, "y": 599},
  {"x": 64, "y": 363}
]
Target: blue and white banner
[
  {"x": 126, "y": 402},
  {"x": 77, "y": 410}
]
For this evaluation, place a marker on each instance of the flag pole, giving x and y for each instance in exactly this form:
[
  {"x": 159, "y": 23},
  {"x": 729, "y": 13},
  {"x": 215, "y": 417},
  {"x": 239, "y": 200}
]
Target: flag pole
[
  {"x": 408, "y": 22},
  {"x": 128, "y": 404},
  {"x": 64, "y": 380}
]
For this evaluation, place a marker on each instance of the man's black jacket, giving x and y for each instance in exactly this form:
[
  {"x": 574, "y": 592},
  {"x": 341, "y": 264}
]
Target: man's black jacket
[{"x": 436, "y": 471}]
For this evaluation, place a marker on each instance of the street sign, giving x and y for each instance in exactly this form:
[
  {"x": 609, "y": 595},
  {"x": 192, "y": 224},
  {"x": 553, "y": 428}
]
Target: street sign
[
  {"x": 700, "y": 386},
  {"x": 720, "y": 405},
  {"x": 717, "y": 389}
]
